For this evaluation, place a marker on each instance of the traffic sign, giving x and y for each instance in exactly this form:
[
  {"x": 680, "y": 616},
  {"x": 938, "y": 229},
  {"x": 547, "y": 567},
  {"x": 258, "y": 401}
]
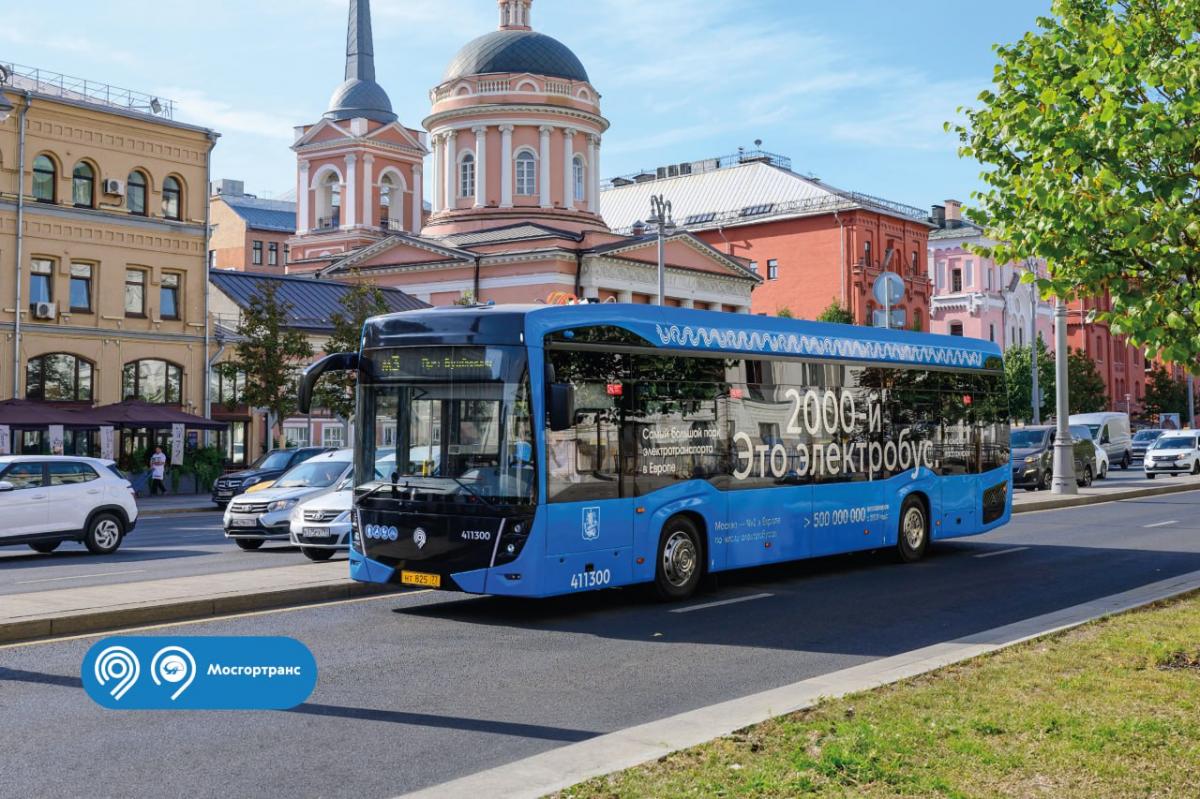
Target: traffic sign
[{"x": 888, "y": 288}]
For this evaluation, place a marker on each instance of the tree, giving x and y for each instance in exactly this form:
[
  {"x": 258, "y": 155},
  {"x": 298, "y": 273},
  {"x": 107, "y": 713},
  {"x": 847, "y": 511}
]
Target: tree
[
  {"x": 335, "y": 391},
  {"x": 1088, "y": 393},
  {"x": 1092, "y": 156},
  {"x": 836, "y": 312},
  {"x": 270, "y": 353},
  {"x": 784, "y": 313},
  {"x": 1165, "y": 394},
  {"x": 1017, "y": 374}
]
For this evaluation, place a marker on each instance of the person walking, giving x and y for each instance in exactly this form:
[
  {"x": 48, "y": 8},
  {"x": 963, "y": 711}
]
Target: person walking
[{"x": 158, "y": 472}]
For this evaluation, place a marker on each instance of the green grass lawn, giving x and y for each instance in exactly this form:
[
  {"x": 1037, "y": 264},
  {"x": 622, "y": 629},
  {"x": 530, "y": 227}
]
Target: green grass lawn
[{"x": 1111, "y": 709}]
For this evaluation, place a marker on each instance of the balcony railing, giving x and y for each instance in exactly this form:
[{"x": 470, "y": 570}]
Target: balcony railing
[
  {"x": 391, "y": 225},
  {"x": 329, "y": 223},
  {"x": 82, "y": 90}
]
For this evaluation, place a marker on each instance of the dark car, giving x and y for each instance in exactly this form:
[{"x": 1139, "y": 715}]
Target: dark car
[
  {"x": 1033, "y": 457},
  {"x": 1142, "y": 441},
  {"x": 268, "y": 467}
]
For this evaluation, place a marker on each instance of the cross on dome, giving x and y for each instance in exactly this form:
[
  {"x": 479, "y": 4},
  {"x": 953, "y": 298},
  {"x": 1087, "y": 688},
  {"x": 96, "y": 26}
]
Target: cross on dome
[{"x": 514, "y": 15}]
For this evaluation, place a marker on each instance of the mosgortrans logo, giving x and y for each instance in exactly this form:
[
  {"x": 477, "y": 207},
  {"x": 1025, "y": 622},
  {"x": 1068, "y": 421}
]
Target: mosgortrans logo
[{"x": 199, "y": 673}]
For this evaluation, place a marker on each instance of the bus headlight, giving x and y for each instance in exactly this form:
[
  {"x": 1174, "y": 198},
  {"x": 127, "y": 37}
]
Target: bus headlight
[
  {"x": 512, "y": 541},
  {"x": 356, "y": 542}
]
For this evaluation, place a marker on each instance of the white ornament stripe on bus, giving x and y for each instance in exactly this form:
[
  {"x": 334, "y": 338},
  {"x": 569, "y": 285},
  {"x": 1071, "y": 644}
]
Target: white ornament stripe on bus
[{"x": 793, "y": 344}]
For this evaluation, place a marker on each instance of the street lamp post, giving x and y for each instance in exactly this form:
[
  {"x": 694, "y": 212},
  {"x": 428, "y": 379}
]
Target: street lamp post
[
  {"x": 1191, "y": 392},
  {"x": 1033, "y": 353},
  {"x": 664, "y": 225},
  {"x": 1064, "y": 451}
]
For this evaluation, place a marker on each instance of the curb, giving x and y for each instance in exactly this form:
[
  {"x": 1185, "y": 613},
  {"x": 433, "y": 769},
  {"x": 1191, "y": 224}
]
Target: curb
[
  {"x": 1097, "y": 499},
  {"x": 160, "y": 513},
  {"x": 109, "y": 619}
]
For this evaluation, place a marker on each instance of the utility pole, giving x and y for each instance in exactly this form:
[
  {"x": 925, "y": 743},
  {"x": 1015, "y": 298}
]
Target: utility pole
[
  {"x": 1191, "y": 420},
  {"x": 1064, "y": 451},
  {"x": 1033, "y": 353}
]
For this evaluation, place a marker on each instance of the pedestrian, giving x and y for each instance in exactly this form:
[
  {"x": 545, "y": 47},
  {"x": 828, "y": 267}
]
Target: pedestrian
[{"x": 158, "y": 472}]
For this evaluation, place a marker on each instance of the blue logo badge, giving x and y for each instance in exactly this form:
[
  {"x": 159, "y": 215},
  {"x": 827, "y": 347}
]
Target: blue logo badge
[
  {"x": 591, "y": 523},
  {"x": 199, "y": 673}
]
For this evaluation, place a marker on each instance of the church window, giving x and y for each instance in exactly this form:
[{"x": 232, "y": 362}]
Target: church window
[
  {"x": 577, "y": 166},
  {"x": 526, "y": 174},
  {"x": 466, "y": 176}
]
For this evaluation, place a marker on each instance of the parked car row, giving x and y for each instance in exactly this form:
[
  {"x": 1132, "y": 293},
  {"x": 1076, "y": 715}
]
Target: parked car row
[{"x": 1033, "y": 456}]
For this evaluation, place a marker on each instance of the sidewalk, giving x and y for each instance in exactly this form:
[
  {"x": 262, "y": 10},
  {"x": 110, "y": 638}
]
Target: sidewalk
[
  {"x": 170, "y": 504},
  {"x": 72, "y": 611},
  {"x": 1129, "y": 484}
]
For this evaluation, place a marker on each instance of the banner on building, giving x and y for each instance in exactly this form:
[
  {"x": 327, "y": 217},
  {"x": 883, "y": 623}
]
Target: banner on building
[
  {"x": 106, "y": 443},
  {"x": 56, "y": 439},
  {"x": 5, "y": 440},
  {"x": 177, "y": 431}
]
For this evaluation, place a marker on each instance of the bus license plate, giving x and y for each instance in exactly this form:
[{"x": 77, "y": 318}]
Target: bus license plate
[{"x": 421, "y": 579}]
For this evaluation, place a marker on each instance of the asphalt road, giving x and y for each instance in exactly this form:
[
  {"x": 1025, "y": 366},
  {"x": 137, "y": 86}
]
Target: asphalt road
[
  {"x": 168, "y": 546},
  {"x": 420, "y": 688}
]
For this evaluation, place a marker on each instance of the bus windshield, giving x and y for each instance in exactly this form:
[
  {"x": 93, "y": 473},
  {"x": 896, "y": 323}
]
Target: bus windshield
[{"x": 454, "y": 421}]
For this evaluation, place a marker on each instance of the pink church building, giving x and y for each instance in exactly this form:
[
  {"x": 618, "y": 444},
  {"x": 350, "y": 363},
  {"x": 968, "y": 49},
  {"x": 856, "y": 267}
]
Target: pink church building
[
  {"x": 510, "y": 154},
  {"x": 976, "y": 297}
]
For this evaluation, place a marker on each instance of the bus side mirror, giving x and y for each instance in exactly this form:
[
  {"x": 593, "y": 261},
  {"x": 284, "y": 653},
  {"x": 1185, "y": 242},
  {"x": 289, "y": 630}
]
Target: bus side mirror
[
  {"x": 561, "y": 398},
  {"x": 337, "y": 362}
]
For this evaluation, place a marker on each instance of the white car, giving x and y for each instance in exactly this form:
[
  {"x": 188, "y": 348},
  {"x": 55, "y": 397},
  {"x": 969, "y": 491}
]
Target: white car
[
  {"x": 46, "y": 499},
  {"x": 1173, "y": 453},
  {"x": 251, "y": 519},
  {"x": 1100, "y": 459},
  {"x": 321, "y": 526}
]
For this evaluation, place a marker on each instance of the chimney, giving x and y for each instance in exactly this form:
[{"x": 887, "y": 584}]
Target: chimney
[
  {"x": 939, "y": 215},
  {"x": 953, "y": 214}
]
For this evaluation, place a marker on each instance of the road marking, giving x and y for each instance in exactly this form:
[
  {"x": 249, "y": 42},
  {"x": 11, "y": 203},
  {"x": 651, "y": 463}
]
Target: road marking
[
  {"x": 1001, "y": 552},
  {"x": 1161, "y": 524},
  {"x": 718, "y": 603},
  {"x": 78, "y": 577},
  {"x": 221, "y": 618},
  {"x": 564, "y": 766}
]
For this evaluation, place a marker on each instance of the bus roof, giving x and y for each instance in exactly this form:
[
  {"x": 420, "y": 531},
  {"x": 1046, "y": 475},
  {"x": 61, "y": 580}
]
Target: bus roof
[{"x": 680, "y": 329}]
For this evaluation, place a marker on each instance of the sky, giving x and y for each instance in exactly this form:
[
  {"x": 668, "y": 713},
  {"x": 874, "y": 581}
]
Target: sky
[{"x": 854, "y": 92}]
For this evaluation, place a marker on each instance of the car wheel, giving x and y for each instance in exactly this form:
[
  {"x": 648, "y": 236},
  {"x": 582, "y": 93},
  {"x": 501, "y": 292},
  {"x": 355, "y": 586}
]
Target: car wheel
[
  {"x": 1150, "y": 476},
  {"x": 1044, "y": 480},
  {"x": 317, "y": 555},
  {"x": 45, "y": 547},
  {"x": 249, "y": 544},
  {"x": 679, "y": 567},
  {"x": 103, "y": 534},
  {"x": 1196, "y": 467},
  {"x": 1085, "y": 479},
  {"x": 1126, "y": 459},
  {"x": 1103, "y": 472},
  {"x": 913, "y": 537}
]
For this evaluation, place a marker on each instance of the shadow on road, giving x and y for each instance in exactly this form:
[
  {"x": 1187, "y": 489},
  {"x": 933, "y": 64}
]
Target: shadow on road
[{"x": 446, "y": 722}]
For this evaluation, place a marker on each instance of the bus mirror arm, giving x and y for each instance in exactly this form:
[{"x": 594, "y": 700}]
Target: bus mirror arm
[
  {"x": 337, "y": 362},
  {"x": 561, "y": 398}
]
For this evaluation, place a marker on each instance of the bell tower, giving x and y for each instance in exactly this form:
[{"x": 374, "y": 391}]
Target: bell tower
[
  {"x": 514, "y": 15},
  {"x": 360, "y": 170}
]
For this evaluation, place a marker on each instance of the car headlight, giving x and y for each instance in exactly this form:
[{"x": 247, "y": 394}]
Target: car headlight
[
  {"x": 249, "y": 481},
  {"x": 280, "y": 504},
  {"x": 1031, "y": 460},
  {"x": 345, "y": 517}
]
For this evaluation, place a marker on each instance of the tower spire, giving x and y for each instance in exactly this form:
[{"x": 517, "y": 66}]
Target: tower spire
[
  {"x": 514, "y": 15},
  {"x": 360, "y": 96}
]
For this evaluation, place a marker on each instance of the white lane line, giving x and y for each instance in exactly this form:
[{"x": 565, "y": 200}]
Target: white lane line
[
  {"x": 79, "y": 576},
  {"x": 1161, "y": 524},
  {"x": 1001, "y": 552},
  {"x": 718, "y": 603}
]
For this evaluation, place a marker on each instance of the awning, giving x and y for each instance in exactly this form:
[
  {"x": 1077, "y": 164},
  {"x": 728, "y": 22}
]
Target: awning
[
  {"x": 21, "y": 414},
  {"x": 135, "y": 413}
]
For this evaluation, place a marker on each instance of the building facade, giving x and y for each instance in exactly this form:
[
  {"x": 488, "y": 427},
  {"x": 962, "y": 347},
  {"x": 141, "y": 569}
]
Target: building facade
[
  {"x": 248, "y": 233},
  {"x": 102, "y": 241},
  {"x": 813, "y": 245},
  {"x": 514, "y": 135},
  {"x": 976, "y": 297}
]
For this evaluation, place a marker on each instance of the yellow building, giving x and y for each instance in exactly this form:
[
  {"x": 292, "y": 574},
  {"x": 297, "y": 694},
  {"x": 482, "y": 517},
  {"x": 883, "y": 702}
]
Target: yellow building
[{"x": 102, "y": 248}]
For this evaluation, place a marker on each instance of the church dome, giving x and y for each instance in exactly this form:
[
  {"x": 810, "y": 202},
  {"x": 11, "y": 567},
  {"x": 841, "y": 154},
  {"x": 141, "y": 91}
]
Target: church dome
[{"x": 516, "y": 51}]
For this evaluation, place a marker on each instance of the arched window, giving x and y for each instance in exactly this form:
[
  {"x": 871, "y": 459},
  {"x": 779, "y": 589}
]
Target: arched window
[
  {"x": 135, "y": 193},
  {"x": 172, "y": 201},
  {"x": 578, "y": 174},
  {"x": 526, "y": 174},
  {"x": 83, "y": 186},
  {"x": 466, "y": 176},
  {"x": 391, "y": 203},
  {"x": 45, "y": 179},
  {"x": 329, "y": 201},
  {"x": 154, "y": 381},
  {"x": 58, "y": 377}
]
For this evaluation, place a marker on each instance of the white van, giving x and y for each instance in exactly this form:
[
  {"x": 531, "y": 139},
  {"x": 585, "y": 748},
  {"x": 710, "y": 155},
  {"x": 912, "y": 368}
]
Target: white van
[{"x": 1110, "y": 431}]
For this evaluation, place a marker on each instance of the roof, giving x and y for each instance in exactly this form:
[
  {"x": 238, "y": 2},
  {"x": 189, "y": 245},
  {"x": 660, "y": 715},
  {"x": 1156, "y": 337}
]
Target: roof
[
  {"x": 739, "y": 194},
  {"x": 313, "y": 302},
  {"x": 135, "y": 413},
  {"x": 521, "y": 231},
  {"x": 274, "y": 215},
  {"x": 360, "y": 96},
  {"x": 516, "y": 51},
  {"x": 964, "y": 230}
]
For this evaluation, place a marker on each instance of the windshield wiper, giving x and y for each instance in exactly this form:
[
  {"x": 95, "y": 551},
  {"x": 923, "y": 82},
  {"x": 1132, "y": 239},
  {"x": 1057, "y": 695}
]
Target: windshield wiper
[{"x": 473, "y": 492}]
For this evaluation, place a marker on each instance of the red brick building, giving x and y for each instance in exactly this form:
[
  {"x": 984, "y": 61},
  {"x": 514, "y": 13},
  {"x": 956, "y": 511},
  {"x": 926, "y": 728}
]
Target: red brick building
[
  {"x": 813, "y": 244},
  {"x": 249, "y": 234}
]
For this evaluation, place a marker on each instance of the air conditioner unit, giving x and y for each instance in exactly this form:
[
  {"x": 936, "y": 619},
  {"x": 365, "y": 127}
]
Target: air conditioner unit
[
  {"x": 114, "y": 186},
  {"x": 45, "y": 310}
]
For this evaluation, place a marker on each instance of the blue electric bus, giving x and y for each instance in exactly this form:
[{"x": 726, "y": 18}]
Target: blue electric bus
[{"x": 544, "y": 450}]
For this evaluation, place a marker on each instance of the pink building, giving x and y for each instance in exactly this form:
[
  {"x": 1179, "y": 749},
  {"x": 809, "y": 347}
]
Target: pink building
[
  {"x": 514, "y": 139},
  {"x": 976, "y": 297}
]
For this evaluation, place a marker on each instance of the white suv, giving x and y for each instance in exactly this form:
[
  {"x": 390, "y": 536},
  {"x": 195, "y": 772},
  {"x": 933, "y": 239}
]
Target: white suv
[{"x": 46, "y": 499}]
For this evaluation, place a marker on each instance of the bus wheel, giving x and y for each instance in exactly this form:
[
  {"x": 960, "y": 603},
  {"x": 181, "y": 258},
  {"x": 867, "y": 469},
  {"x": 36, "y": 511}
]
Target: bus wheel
[
  {"x": 679, "y": 567},
  {"x": 914, "y": 531}
]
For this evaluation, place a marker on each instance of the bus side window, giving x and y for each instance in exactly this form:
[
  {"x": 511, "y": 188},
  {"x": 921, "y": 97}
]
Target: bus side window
[{"x": 583, "y": 461}]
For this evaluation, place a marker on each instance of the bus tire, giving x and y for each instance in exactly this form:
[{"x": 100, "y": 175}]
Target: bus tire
[
  {"x": 679, "y": 564},
  {"x": 913, "y": 537}
]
